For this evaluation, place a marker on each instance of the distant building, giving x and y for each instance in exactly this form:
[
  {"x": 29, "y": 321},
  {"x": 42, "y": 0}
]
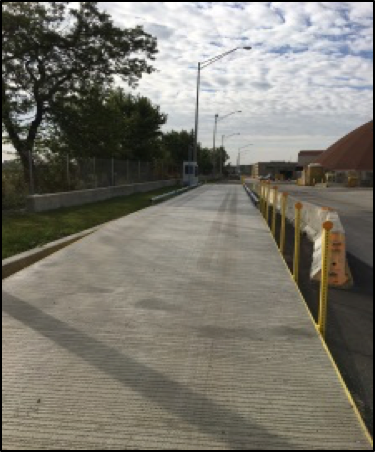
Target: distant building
[
  {"x": 307, "y": 157},
  {"x": 354, "y": 152},
  {"x": 352, "y": 155},
  {"x": 245, "y": 170},
  {"x": 284, "y": 170}
]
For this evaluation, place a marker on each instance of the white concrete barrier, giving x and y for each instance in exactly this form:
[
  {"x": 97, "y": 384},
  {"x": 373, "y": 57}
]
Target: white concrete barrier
[
  {"x": 313, "y": 217},
  {"x": 52, "y": 201}
]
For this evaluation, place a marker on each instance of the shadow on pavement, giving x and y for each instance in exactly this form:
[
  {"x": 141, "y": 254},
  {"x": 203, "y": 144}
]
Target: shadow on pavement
[{"x": 211, "y": 418}]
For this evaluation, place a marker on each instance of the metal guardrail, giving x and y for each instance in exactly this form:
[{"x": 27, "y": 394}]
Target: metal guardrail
[
  {"x": 252, "y": 195},
  {"x": 173, "y": 193}
]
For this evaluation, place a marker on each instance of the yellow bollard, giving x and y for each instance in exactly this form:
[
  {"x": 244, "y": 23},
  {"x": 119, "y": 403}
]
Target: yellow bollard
[
  {"x": 268, "y": 202},
  {"x": 261, "y": 196},
  {"x": 265, "y": 199},
  {"x": 275, "y": 202},
  {"x": 297, "y": 241},
  {"x": 326, "y": 247},
  {"x": 283, "y": 222}
]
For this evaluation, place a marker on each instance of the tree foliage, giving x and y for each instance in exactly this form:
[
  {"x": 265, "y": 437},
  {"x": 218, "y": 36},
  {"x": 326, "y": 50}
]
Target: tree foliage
[
  {"x": 105, "y": 123},
  {"x": 176, "y": 148},
  {"x": 55, "y": 49}
]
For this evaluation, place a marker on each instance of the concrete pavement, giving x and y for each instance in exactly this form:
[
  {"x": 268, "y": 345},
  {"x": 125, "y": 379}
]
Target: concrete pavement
[{"x": 175, "y": 327}]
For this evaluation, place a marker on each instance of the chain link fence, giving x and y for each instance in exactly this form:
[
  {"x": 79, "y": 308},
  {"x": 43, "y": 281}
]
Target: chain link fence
[{"x": 68, "y": 174}]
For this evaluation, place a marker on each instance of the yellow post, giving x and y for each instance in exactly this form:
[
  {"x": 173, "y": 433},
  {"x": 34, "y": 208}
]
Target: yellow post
[
  {"x": 297, "y": 241},
  {"x": 268, "y": 202},
  {"x": 274, "y": 212},
  {"x": 261, "y": 195},
  {"x": 326, "y": 247},
  {"x": 283, "y": 222},
  {"x": 265, "y": 199}
]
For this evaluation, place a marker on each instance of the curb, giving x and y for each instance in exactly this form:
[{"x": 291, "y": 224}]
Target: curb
[
  {"x": 16, "y": 263},
  {"x": 173, "y": 193}
]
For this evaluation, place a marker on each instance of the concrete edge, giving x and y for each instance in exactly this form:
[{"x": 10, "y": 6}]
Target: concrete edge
[
  {"x": 16, "y": 263},
  {"x": 345, "y": 387},
  {"x": 174, "y": 193},
  {"x": 53, "y": 201},
  {"x": 341, "y": 379}
]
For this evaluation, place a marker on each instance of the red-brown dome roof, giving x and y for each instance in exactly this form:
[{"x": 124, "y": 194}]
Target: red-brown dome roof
[{"x": 353, "y": 152}]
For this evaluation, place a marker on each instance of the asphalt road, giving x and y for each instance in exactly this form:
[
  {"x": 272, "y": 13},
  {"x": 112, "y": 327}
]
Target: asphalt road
[{"x": 356, "y": 209}]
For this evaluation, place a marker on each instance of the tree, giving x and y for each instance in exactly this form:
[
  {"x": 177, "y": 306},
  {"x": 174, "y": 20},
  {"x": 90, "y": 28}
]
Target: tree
[
  {"x": 176, "y": 146},
  {"x": 53, "y": 49},
  {"x": 141, "y": 125},
  {"x": 81, "y": 126},
  {"x": 105, "y": 123},
  {"x": 224, "y": 158}
]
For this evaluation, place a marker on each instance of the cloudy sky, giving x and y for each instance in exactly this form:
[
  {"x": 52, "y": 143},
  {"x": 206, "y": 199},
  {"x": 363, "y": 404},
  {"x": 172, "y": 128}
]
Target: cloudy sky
[{"x": 307, "y": 81}]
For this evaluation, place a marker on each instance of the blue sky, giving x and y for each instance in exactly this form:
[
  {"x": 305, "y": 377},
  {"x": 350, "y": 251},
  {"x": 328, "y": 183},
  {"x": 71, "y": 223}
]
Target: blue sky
[{"x": 307, "y": 81}]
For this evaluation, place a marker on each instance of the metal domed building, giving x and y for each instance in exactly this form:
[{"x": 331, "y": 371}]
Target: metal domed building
[{"x": 352, "y": 155}]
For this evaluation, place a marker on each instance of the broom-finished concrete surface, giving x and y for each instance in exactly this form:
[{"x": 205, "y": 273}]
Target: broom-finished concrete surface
[{"x": 177, "y": 327}]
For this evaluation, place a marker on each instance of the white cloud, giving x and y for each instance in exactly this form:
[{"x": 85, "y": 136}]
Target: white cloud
[{"x": 307, "y": 81}]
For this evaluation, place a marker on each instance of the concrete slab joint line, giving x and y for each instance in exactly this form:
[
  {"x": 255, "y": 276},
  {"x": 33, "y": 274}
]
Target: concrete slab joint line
[
  {"x": 164, "y": 331},
  {"x": 313, "y": 218}
]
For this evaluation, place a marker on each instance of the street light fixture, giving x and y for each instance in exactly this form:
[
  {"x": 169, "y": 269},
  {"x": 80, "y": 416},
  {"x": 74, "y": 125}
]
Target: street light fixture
[
  {"x": 218, "y": 119},
  {"x": 203, "y": 65},
  {"x": 239, "y": 155},
  {"x": 223, "y": 138}
]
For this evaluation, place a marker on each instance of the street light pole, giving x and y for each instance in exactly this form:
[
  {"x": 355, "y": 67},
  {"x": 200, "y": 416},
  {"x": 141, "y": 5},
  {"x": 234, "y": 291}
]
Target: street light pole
[
  {"x": 218, "y": 119},
  {"x": 239, "y": 156},
  {"x": 203, "y": 65},
  {"x": 214, "y": 144},
  {"x": 223, "y": 137},
  {"x": 195, "y": 153}
]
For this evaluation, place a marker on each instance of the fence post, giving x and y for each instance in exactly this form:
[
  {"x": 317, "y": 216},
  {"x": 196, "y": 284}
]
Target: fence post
[
  {"x": 113, "y": 171},
  {"x": 323, "y": 308},
  {"x": 297, "y": 241},
  {"x": 275, "y": 201},
  {"x": 68, "y": 171},
  {"x": 94, "y": 170},
  {"x": 283, "y": 222},
  {"x": 31, "y": 174}
]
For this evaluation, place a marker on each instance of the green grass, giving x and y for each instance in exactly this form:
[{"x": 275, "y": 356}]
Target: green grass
[{"x": 24, "y": 231}]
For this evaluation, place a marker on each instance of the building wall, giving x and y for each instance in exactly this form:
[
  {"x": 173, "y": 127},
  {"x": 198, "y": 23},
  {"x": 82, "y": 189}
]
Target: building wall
[
  {"x": 307, "y": 157},
  {"x": 262, "y": 169}
]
